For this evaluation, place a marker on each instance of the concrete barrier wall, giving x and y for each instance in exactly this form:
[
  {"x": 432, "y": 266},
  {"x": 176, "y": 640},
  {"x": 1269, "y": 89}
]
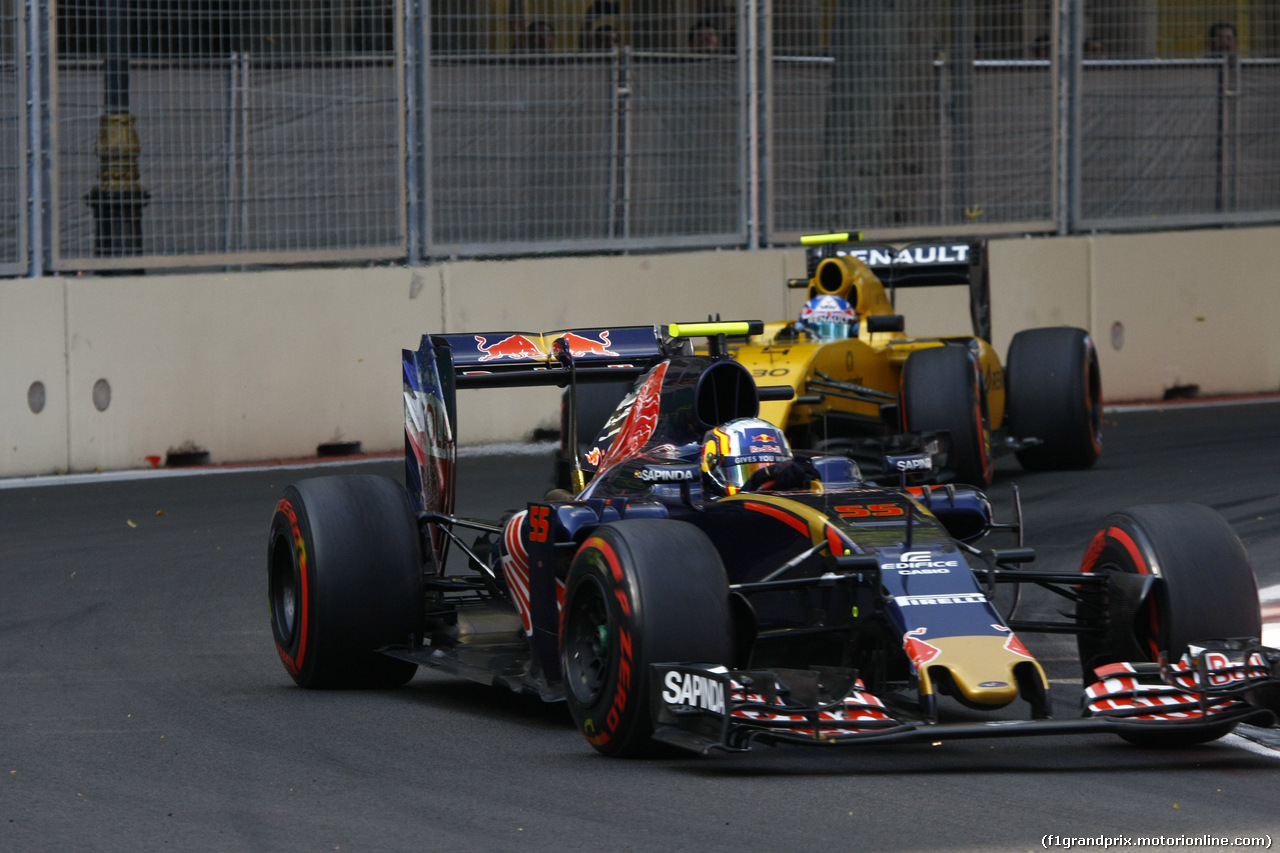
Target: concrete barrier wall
[
  {"x": 33, "y": 356},
  {"x": 1170, "y": 309},
  {"x": 261, "y": 366},
  {"x": 1198, "y": 308},
  {"x": 257, "y": 366}
]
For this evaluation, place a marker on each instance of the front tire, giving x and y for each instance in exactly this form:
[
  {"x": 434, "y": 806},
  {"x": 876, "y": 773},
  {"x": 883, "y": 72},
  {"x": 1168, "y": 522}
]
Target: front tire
[
  {"x": 942, "y": 392},
  {"x": 344, "y": 579},
  {"x": 1055, "y": 395},
  {"x": 1206, "y": 590},
  {"x": 639, "y": 592}
]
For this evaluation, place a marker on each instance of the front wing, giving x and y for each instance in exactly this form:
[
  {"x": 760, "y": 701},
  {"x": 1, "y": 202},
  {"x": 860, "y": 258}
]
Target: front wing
[{"x": 702, "y": 707}]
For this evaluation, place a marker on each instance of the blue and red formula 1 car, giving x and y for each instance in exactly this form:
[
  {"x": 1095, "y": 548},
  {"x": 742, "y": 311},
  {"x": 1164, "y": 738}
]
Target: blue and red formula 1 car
[{"x": 710, "y": 590}]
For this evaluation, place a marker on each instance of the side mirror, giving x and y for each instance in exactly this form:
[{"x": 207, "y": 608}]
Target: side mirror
[{"x": 885, "y": 323}]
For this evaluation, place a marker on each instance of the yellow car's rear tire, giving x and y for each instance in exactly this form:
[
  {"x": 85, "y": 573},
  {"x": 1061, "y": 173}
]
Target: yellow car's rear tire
[{"x": 1054, "y": 391}]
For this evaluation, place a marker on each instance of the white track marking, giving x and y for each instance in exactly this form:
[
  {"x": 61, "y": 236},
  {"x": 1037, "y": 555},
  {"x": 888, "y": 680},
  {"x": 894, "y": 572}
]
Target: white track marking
[
  {"x": 496, "y": 449},
  {"x": 469, "y": 452},
  {"x": 1206, "y": 403},
  {"x": 1250, "y": 746},
  {"x": 1270, "y": 598}
]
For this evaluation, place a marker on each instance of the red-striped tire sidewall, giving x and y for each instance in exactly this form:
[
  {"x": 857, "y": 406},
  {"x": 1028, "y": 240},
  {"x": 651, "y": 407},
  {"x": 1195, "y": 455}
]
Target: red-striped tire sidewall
[
  {"x": 287, "y": 534},
  {"x": 1208, "y": 589},
  {"x": 667, "y": 600}
]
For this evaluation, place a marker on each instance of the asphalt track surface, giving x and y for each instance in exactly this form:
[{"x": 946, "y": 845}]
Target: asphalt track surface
[{"x": 142, "y": 705}]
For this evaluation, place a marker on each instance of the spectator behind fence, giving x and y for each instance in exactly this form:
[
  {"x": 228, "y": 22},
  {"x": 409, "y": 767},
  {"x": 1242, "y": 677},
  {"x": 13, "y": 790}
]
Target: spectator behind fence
[
  {"x": 1042, "y": 48},
  {"x": 1221, "y": 39},
  {"x": 704, "y": 37},
  {"x": 599, "y": 37},
  {"x": 600, "y": 26},
  {"x": 540, "y": 37}
]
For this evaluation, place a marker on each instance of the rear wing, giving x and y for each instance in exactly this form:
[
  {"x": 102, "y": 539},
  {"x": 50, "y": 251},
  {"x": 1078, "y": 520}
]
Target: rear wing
[
  {"x": 516, "y": 359},
  {"x": 442, "y": 364},
  {"x": 913, "y": 265}
]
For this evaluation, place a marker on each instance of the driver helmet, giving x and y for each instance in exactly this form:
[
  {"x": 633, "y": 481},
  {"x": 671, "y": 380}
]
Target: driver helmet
[
  {"x": 828, "y": 318},
  {"x": 731, "y": 453}
]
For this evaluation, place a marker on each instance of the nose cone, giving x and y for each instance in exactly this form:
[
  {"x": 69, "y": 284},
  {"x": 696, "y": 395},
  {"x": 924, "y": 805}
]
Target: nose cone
[{"x": 978, "y": 670}]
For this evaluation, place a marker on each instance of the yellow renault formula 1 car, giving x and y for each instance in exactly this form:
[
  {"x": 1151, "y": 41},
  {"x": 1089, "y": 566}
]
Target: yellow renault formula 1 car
[
  {"x": 863, "y": 388},
  {"x": 863, "y": 385}
]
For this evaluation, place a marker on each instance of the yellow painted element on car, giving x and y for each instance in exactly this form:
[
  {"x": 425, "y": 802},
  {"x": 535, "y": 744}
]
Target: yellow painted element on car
[
  {"x": 816, "y": 520},
  {"x": 690, "y": 330},
  {"x": 993, "y": 378},
  {"x": 981, "y": 667},
  {"x": 849, "y": 278},
  {"x": 835, "y": 237}
]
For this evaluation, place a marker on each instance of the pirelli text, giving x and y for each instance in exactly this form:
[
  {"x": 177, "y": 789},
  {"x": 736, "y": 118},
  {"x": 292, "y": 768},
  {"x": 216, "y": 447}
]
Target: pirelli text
[{"x": 1109, "y": 842}]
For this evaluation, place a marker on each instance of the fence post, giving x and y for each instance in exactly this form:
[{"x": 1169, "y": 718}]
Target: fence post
[
  {"x": 620, "y": 145},
  {"x": 35, "y": 53},
  {"x": 1228, "y": 138},
  {"x": 963, "y": 33},
  {"x": 942, "y": 93},
  {"x": 417, "y": 103},
  {"x": 1068, "y": 81},
  {"x": 760, "y": 83},
  {"x": 118, "y": 199},
  {"x": 749, "y": 173}
]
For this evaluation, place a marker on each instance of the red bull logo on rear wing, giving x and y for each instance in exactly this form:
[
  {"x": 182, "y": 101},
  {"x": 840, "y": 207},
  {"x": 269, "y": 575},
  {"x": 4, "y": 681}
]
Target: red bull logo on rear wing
[
  {"x": 512, "y": 358},
  {"x": 500, "y": 349}
]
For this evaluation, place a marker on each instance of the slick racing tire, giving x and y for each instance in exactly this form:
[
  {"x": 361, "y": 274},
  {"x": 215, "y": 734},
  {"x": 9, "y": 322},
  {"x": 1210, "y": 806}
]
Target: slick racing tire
[
  {"x": 344, "y": 579},
  {"x": 1054, "y": 392},
  {"x": 1206, "y": 590},
  {"x": 942, "y": 391},
  {"x": 596, "y": 402},
  {"x": 639, "y": 592}
]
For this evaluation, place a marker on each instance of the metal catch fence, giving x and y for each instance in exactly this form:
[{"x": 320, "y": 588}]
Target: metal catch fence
[{"x": 212, "y": 133}]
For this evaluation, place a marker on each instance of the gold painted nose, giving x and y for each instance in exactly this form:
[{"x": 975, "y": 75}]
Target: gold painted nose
[{"x": 977, "y": 670}]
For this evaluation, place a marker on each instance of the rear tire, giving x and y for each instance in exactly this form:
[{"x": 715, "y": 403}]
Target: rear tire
[
  {"x": 942, "y": 392},
  {"x": 1207, "y": 591},
  {"x": 344, "y": 578},
  {"x": 639, "y": 592},
  {"x": 1054, "y": 392}
]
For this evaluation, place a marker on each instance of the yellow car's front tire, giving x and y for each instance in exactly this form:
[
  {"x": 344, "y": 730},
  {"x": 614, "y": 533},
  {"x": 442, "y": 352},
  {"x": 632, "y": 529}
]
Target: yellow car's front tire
[{"x": 942, "y": 392}]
